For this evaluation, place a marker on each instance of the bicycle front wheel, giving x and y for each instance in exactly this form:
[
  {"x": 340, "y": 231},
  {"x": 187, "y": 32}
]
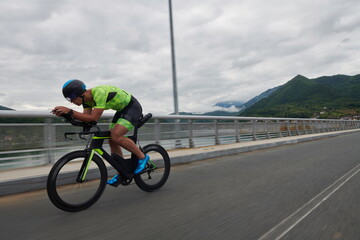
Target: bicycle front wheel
[
  {"x": 64, "y": 188},
  {"x": 157, "y": 170}
]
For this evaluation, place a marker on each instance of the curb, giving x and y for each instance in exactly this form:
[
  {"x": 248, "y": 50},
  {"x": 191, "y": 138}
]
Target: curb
[{"x": 241, "y": 149}]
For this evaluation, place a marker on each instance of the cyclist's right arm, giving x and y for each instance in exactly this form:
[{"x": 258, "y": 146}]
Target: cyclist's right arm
[{"x": 87, "y": 111}]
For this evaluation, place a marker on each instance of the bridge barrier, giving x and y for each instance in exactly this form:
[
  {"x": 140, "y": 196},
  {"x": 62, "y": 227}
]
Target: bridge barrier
[{"x": 37, "y": 138}]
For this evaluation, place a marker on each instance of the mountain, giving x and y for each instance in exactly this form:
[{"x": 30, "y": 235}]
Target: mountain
[
  {"x": 220, "y": 113},
  {"x": 326, "y": 97},
  {"x": 213, "y": 113},
  {"x": 229, "y": 104},
  {"x": 239, "y": 105},
  {"x": 260, "y": 97},
  {"x": 5, "y": 108}
]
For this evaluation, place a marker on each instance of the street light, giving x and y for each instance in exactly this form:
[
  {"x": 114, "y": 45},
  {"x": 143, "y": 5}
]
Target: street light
[{"x": 176, "y": 103}]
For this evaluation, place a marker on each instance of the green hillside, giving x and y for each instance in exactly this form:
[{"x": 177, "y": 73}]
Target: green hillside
[{"x": 325, "y": 97}]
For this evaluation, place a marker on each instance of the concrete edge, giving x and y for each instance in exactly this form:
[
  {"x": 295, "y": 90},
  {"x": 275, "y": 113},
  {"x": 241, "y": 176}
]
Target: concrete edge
[
  {"x": 39, "y": 182},
  {"x": 242, "y": 149}
]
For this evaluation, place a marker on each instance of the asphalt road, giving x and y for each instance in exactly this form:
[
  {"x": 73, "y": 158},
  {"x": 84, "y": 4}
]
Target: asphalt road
[{"x": 303, "y": 191}]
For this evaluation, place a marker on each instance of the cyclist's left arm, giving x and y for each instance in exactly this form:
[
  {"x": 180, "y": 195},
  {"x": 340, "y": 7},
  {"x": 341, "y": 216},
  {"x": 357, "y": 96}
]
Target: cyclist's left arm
[{"x": 88, "y": 115}]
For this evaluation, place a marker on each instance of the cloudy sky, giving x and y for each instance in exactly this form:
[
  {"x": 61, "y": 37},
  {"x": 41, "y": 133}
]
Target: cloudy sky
[{"x": 225, "y": 49}]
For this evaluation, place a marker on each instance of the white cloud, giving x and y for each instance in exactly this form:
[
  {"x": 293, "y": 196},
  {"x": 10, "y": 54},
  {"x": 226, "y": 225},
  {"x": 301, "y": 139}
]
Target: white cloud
[{"x": 225, "y": 50}]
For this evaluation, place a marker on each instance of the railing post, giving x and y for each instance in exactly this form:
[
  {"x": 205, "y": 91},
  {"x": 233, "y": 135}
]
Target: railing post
[
  {"x": 191, "y": 140},
  {"x": 326, "y": 126},
  {"x": 322, "y": 126},
  {"x": 267, "y": 129},
  {"x": 297, "y": 127},
  {"x": 253, "y": 130},
  {"x": 288, "y": 128},
  {"x": 217, "y": 140},
  {"x": 157, "y": 131},
  {"x": 304, "y": 126},
  {"x": 280, "y": 132},
  {"x": 177, "y": 133},
  {"x": 311, "y": 126},
  {"x": 237, "y": 131},
  {"x": 332, "y": 126},
  {"x": 49, "y": 140}
]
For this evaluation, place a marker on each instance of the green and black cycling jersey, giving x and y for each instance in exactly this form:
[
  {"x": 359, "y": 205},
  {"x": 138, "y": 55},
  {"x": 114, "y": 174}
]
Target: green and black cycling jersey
[
  {"x": 108, "y": 97},
  {"x": 128, "y": 109}
]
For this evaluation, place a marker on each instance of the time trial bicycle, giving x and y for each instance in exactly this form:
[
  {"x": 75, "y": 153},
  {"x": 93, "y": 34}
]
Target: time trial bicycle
[{"x": 78, "y": 179}]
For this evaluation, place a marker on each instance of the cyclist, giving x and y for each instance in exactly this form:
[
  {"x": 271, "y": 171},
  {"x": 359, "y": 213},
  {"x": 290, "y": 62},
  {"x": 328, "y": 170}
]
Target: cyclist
[{"x": 95, "y": 101}]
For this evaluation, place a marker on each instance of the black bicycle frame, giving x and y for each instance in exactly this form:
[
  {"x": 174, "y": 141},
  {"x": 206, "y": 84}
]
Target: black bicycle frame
[
  {"x": 97, "y": 142},
  {"x": 96, "y": 146}
]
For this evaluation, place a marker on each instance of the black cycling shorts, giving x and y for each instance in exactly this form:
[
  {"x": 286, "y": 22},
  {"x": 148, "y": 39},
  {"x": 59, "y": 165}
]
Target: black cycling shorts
[{"x": 129, "y": 116}]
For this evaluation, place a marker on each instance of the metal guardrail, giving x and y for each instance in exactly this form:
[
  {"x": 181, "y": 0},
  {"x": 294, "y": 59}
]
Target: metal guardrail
[{"x": 29, "y": 144}]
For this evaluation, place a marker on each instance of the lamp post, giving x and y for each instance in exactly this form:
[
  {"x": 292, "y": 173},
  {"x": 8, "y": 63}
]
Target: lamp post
[{"x": 176, "y": 102}]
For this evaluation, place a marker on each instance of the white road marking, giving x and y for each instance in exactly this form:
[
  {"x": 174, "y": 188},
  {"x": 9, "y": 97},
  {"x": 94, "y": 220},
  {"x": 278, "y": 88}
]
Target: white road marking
[{"x": 290, "y": 222}]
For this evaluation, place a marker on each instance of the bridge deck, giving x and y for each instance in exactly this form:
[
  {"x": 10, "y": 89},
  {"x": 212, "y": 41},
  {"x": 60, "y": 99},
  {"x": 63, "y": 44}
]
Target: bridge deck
[{"x": 300, "y": 191}]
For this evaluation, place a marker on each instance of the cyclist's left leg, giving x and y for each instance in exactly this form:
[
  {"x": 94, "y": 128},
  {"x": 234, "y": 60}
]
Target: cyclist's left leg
[
  {"x": 123, "y": 122},
  {"x": 117, "y": 136}
]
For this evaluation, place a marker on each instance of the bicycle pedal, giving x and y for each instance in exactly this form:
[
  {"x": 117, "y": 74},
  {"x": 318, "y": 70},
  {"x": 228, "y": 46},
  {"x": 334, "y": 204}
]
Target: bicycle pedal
[
  {"x": 125, "y": 182},
  {"x": 115, "y": 184}
]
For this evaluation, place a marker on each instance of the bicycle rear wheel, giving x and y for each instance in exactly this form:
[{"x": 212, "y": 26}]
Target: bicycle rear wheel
[
  {"x": 69, "y": 194},
  {"x": 157, "y": 170}
]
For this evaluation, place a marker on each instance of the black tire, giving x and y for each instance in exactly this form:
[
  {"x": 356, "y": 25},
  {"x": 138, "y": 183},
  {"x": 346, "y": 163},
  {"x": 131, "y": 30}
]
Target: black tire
[
  {"x": 153, "y": 178},
  {"x": 63, "y": 189}
]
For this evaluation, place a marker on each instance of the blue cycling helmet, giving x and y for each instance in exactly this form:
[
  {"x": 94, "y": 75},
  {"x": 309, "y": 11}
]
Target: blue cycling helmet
[{"x": 73, "y": 88}]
